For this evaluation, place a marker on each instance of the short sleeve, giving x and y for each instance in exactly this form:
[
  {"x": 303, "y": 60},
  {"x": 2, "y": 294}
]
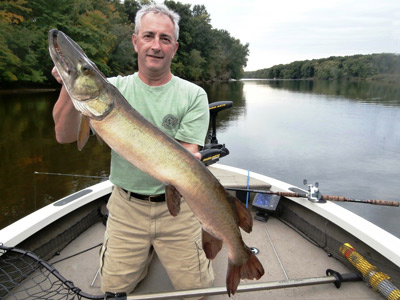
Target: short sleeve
[{"x": 194, "y": 124}]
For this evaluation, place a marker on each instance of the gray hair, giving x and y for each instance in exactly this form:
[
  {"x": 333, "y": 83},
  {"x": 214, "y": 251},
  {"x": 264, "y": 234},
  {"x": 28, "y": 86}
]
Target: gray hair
[{"x": 157, "y": 9}]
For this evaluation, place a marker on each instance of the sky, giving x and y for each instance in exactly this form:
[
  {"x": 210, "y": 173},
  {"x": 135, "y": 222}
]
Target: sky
[{"x": 283, "y": 31}]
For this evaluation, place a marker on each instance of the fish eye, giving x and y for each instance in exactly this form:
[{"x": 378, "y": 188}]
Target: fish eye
[{"x": 86, "y": 68}]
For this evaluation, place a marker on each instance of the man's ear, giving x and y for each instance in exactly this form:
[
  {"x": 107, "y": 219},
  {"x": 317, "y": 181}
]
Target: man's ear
[
  {"x": 176, "y": 48},
  {"x": 134, "y": 41}
]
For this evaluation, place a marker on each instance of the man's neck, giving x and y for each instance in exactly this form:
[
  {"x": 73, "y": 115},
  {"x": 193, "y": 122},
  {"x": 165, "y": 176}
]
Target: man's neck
[{"x": 155, "y": 79}]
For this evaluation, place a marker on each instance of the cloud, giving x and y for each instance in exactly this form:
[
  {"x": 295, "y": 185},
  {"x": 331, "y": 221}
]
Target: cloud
[{"x": 283, "y": 31}]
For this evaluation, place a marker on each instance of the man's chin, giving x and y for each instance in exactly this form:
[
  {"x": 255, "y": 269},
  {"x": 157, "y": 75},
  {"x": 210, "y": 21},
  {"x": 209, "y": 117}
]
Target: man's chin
[{"x": 157, "y": 66}]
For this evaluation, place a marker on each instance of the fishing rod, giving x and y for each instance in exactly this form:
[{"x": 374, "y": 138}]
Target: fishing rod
[
  {"x": 315, "y": 196},
  {"x": 313, "y": 193},
  {"x": 70, "y": 175},
  {"x": 60, "y": 174}
]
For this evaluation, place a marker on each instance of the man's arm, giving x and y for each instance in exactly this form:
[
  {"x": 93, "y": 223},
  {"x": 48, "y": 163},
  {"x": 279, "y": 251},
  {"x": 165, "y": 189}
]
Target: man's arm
[{"x": 66, "y": 117}]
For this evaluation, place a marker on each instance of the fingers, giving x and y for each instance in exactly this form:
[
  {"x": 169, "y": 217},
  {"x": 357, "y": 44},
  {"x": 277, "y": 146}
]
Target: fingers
[
  {"x": 193, "y": 148},
  {"x": 57, "y": 76},
  {"x": 197, "y": 155}
]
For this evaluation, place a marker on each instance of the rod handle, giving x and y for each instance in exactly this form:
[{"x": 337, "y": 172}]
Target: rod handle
[
  {"x": 375, "y": 202},
  {"x": 291, "y": 194},
  {"x": 384, "y": 202}
]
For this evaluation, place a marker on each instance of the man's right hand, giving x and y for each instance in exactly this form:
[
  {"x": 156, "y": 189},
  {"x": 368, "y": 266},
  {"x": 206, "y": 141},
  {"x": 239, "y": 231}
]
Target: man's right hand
[{"x": 57, "y": 76}]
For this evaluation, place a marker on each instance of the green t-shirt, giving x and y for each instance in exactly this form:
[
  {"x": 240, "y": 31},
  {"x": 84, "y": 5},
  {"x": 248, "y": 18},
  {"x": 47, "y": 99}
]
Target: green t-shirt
[{"x": 178, "y": 108}]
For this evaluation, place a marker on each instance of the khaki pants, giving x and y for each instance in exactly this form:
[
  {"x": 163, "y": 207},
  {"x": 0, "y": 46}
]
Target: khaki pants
[{"x": 136, "y": 228}]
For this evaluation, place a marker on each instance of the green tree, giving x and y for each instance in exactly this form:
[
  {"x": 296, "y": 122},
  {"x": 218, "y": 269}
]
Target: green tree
[
  {"x": 355, "y": 66},
  {"x": 235, "y": 54},
  {"x": 329, "y": 69},
  {"x": 12, "y": 14},
  {"x": 103, "y": 29},
  {"x": 307, "y": 69}
]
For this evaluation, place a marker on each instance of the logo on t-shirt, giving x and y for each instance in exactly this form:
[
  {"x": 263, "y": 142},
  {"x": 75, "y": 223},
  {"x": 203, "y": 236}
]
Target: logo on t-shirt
[{"x": 170, "y": 122}]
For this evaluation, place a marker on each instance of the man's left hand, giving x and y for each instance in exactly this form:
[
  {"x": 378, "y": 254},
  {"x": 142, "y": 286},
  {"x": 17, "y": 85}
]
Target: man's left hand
[{"x": 193, "y": 148}]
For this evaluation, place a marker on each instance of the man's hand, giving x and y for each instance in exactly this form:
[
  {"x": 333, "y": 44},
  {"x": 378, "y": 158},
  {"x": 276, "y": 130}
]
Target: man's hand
[
  {"x": 193, "y": 148},
  {"x": 197, "y": 155},
  {"x": 55, "y": 74}
]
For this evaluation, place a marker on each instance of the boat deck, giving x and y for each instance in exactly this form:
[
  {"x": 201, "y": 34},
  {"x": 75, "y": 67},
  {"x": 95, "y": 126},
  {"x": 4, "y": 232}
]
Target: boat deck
[{"x": 284, "y": 253}]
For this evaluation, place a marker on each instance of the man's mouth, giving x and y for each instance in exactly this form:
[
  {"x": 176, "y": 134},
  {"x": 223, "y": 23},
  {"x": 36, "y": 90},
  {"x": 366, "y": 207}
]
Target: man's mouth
[{"x": 154, "y": 56}]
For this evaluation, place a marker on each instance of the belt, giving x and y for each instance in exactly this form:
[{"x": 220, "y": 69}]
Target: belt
[{"x": 151, "y": 198}]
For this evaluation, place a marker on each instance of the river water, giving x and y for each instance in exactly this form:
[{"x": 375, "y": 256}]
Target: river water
[{"x": 345, "y": 135}]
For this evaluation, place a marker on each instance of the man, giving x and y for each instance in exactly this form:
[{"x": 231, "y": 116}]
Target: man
[{"x": 139, "y": 222}]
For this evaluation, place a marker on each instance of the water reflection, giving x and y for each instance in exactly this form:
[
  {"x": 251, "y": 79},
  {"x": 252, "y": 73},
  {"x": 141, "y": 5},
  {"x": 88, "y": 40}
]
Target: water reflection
[
  {"x": 344, "y": 134},
  {"x": 293, "y": 130},
  {"x": 376, "y": 92},
  {"x": 227, "y": 91},
  {"x": 27, "y": 144}
]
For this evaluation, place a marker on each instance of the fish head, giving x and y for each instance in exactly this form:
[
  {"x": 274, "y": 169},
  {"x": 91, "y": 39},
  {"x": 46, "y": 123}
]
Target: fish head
[{"x": 84, "y": 82}]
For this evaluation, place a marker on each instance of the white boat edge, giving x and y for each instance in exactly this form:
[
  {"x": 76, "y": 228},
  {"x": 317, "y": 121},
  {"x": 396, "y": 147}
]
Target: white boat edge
[
  {"x": 377, "y": 238},
  {"x": 25, "y": 227}
]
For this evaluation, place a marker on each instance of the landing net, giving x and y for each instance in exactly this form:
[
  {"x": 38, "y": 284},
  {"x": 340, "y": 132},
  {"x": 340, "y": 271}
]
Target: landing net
[{"x": 25, "y": 276}]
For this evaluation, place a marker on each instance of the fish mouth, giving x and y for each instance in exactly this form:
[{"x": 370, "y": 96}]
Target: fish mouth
[
  {"x": 69, "y": 60},
  {"x": 64, "y": 65},
  {"x": 81, "y": 77},
  {"x": 57, "y": 49}
]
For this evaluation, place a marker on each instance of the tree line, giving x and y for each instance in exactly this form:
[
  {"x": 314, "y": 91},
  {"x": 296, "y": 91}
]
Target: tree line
[
  {"x": 384, "y": 66},
  {"x": 103, "y": 28}
]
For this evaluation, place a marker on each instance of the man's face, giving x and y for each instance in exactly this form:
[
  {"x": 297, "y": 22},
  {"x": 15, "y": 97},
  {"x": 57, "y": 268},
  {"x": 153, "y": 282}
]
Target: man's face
[{"x": 155, "y": 43}]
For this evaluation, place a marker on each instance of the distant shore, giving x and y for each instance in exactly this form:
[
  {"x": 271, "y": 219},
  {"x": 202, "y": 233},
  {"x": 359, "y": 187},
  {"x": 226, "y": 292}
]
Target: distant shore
[{"x": 41, "y": 88}]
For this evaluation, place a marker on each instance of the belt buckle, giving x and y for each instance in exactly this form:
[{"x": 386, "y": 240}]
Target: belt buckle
[{"x": 150, "y": 197}]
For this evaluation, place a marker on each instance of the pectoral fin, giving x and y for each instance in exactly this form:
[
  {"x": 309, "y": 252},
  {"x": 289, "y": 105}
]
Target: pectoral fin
[
  {"x": 83, "y": 132},
  {"x": 245, "y": 218},
  {"x": 173, "y": 200},
  {"x": 211, "y": 245}
]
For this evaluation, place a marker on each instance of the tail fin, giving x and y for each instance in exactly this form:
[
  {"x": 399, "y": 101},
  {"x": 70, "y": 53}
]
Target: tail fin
[{"x": 252, "y": 269}]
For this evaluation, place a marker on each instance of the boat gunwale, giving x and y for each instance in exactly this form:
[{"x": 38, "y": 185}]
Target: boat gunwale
[
  {"x": 377, "y": 238},
  {"x": 19, "y": 231}
]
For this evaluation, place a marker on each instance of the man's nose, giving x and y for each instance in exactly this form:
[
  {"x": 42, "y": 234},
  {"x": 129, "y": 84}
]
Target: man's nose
[{"x": 156, "y": 43}]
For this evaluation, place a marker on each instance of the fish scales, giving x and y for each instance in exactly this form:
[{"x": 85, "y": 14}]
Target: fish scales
[{"x": 167, "y": 166}]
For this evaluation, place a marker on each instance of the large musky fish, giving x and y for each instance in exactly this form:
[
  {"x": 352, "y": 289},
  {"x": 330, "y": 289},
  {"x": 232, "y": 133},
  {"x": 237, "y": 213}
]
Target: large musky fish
[{"x": 149, "y": 149}]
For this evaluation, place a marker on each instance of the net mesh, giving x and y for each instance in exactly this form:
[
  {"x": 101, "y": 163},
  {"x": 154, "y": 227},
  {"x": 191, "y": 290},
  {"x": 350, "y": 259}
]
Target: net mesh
[{"x": 25, "y": 276}]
